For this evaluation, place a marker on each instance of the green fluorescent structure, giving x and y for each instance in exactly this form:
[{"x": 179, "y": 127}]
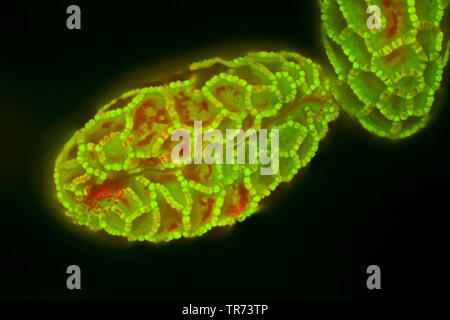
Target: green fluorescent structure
[
  {"x": 387, "y": 77},
  {"x": 116, "y": 174}
]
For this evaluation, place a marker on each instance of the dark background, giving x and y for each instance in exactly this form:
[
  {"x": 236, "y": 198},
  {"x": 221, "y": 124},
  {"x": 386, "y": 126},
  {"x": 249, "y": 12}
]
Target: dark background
[{"x": 361, "y": 201}]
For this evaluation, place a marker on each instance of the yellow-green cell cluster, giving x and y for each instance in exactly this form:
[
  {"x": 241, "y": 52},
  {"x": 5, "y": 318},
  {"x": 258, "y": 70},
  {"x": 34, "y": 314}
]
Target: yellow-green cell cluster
[
  {"x": 387, "y": 77},
  {"x": 116, "y": 173}
]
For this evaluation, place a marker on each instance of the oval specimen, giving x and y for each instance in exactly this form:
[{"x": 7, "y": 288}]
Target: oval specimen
[{"x": 116, "y": 173}]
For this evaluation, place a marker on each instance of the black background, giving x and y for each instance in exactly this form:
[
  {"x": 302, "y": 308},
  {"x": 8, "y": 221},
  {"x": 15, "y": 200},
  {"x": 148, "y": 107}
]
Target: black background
[{"x": 361, "y": 201}]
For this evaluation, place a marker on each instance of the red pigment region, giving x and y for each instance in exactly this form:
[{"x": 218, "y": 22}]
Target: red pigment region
[
  {"x": 199, "y": 173},
  {"x": 392, "y": 11},
  {"x": 110, "y": 190},
  {"x": 172, "y": 215},
  {"x": 209, "y": 204},
  {"x": 141, "y": 116},
  {"x": 151, "y": 161},
  {"x": 182, "y": 109},
  {"x": 398, "y": 56},
  {"x": 204, "y": 106},
  {"x": 146, "y": 140},
  {"x": 172, "y": 227},
  {"x": 106, "y": 124},
  {"x": 185, "y": 106},
  {"x": 237, "y": 209}
]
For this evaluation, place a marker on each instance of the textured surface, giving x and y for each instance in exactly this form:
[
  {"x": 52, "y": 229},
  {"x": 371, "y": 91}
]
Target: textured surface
[
  {"x": 116, "y": 172},
  {"x": 387, "y": 77}
]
